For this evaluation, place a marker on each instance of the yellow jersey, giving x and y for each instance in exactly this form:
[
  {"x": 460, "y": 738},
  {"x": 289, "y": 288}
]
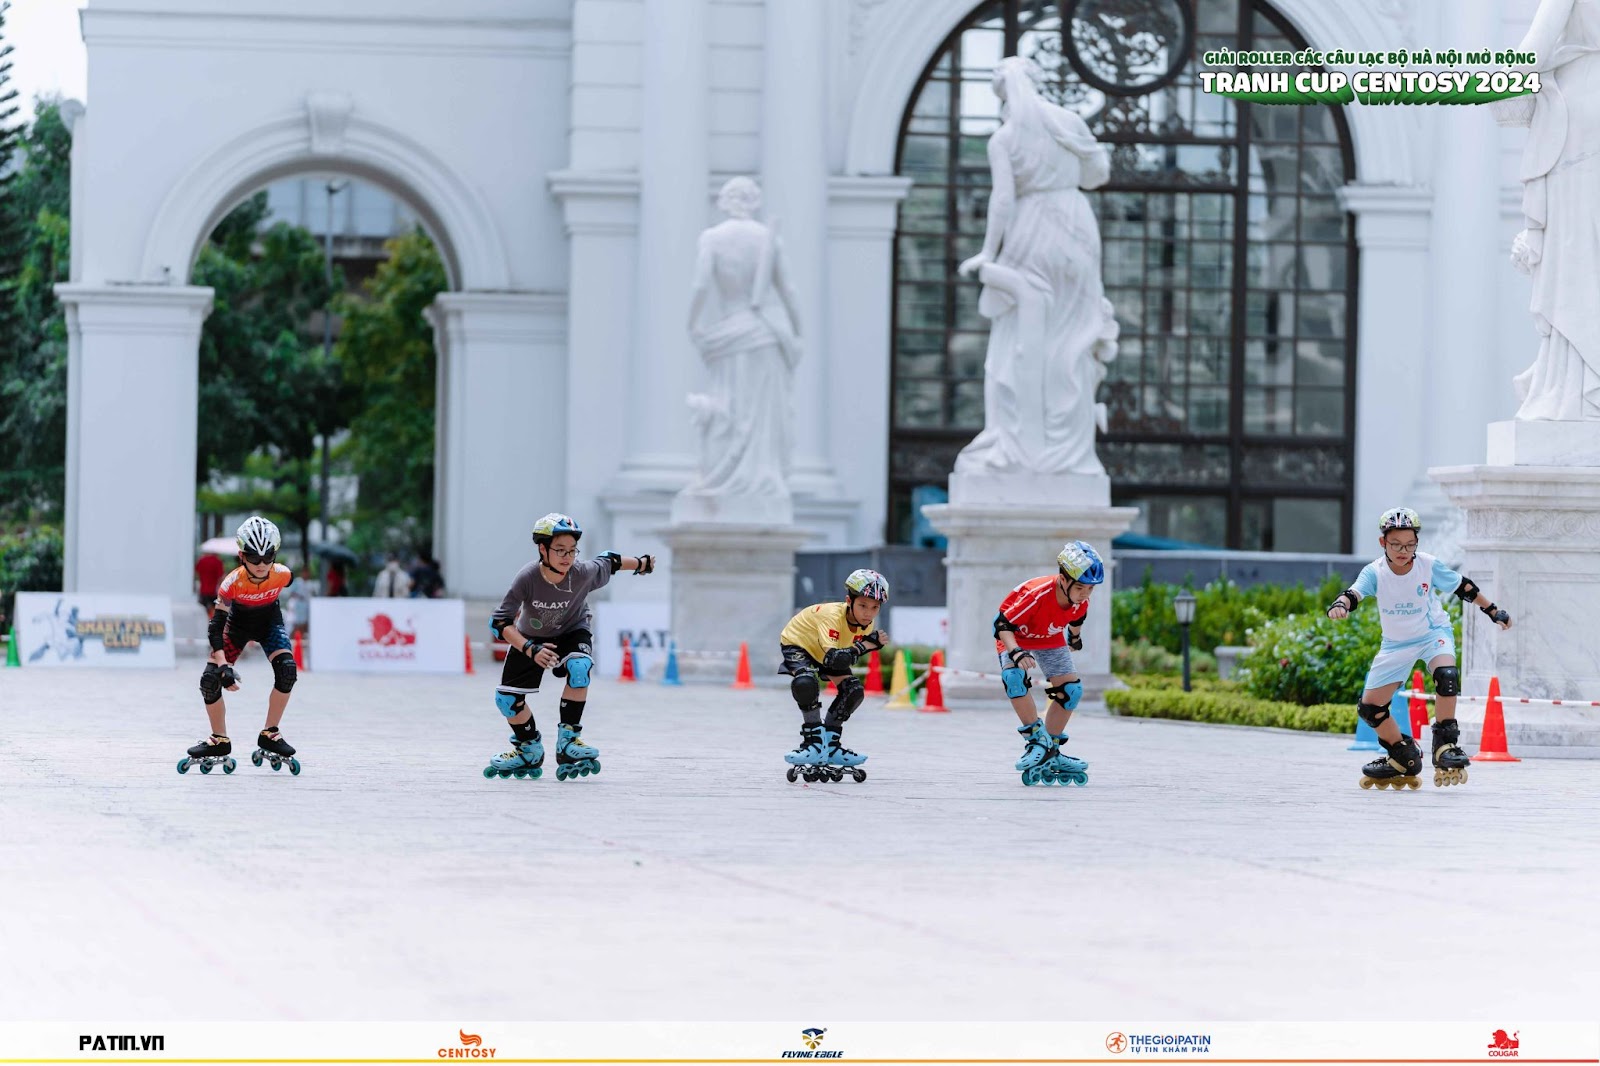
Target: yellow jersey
[{"x": 820, "y": 627}]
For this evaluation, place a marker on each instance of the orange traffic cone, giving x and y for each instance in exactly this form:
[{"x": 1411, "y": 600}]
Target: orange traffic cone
[
  {"x": 299, "y": 652},
  {"x": 1417, "y": 705},
  {"x": 874, "y": 681},
  {"x": 627, "y": 661},
  {"x": 741, "y": 677},
  {"x": 934, "y": 699},
  {"x": 1492, "y": 745},
  {"x": 467, "y": 643}
]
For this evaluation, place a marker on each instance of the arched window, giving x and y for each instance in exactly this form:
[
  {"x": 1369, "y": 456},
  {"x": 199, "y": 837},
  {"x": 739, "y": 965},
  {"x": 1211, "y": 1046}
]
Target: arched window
[{"x": 1227, "y": 256}]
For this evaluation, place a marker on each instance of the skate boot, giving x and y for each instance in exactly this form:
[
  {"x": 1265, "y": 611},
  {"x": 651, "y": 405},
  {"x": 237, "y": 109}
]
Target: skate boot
[
  {"x": 525, "y": 759},
  {"x": 215, "y": 750},
  {"x": 1398, "y": 769},
  {"x": 839, "y": 759},
  {"x": 804, "y": 760},
  {"x": 1449, "y": 761},
  {"x": 1064, "y": 768},
  {"x": 574, "y": 758},
  {"x": 1041, "y": 748},
  {"x": 275, "y": 750}
]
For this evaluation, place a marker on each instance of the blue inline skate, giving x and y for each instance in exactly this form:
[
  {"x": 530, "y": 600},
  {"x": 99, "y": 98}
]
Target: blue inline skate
[
  {"x": 1064, "y": 768},
  {"x": 1042, "y": 762},
  {"x": 805, "y": 761},
  {"x": 524, "y": 760},
  {"x": 274, "y": 749},
  {"x": 215, "y": 750},
  {"x": 574, "y": 758},
  {"x": 837, "y": 760}
]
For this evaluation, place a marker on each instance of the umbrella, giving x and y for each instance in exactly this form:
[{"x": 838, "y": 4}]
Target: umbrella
[
  {"x": 337, "y": 553},
  {"x": 220, "y": 546}
]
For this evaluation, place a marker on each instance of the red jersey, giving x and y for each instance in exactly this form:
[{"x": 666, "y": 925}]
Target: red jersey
[
  {"x": 240, "y": 588},
  {"x": 1040, "y": 621}
]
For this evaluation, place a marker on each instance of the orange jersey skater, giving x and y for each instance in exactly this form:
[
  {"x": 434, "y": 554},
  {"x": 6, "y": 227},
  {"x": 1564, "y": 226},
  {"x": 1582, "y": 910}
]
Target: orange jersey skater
[{"x": 241, "y": 589}]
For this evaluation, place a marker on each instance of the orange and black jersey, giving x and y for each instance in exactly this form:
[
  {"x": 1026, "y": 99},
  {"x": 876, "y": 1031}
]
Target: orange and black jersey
[{"x": 239, "y": 591}]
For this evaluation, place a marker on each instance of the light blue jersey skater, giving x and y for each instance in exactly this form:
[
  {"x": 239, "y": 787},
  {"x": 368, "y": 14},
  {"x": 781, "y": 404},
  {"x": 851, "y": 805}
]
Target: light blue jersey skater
[{"x": 1407, "y": 584}]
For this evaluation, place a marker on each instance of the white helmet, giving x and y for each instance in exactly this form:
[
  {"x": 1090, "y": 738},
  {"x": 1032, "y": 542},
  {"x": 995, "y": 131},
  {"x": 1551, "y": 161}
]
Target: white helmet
[{"x": 259, "y": 537}]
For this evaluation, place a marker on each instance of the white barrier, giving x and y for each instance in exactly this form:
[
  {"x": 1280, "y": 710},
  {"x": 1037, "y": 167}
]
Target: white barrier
[
  {"x": 387, "y": 635},
  {"x": 68, "y": 629}
]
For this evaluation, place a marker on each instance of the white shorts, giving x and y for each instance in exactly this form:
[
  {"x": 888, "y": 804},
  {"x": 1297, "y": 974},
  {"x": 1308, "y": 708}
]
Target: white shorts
[
  {"x": 1053, "y": 662},
  {"x": 1394, "y": 661}
]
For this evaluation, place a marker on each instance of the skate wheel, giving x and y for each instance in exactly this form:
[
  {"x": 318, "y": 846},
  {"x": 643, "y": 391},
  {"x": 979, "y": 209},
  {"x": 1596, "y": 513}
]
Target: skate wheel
[
  {"x": 536, "y": 773},
  {"x": 277, "y": 764},
  {"x": 859, "y": 774},
  {"x": 1413, "y": 784},
  {"x": 228, "y": 766},
  {"x": 183, "y": 767},
  {"x": 1080, "y": 779},
  {"x": 596, "y": 767},
  {"x": 1366, "y": 782},
  {"x": 792, "y": 774},
  {"x": 294, "y": 767},
  {"x": 489, "y": 772},
  {"x": 205, "y": 768},
  {"x": 255, "y": 757},
  {"x": 519, "y": 774}
]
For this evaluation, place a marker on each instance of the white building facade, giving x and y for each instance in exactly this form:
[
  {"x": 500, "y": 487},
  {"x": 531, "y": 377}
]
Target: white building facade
[{"x": 564, "y": 153}]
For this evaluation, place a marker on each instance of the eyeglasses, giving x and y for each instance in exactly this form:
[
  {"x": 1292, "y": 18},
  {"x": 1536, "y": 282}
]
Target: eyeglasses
[
  {"x": 1404, "y": 549},
  {"x": 564, "y": 553},
  {"x": 256, "y": 560}
]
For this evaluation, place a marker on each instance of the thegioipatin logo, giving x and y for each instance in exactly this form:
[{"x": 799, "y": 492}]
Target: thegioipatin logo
[
  {"x": 1502, "y": 1046},
  {"x": 471, "y": 1048},
  {"x": 1160, "y": 1043},
  {"x": 122, "y": 1043},
  {"x": 813, "y": 1039}
]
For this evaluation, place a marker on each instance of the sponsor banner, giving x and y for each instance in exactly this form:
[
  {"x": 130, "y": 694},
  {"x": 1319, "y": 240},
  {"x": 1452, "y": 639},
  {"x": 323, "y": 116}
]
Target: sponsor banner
[
  {"x": 68, "y": 629},
  {"x": 646, "y": 624},
  {"x": 387, "y": 635},
  {"x": 1109, "y": 1041}
]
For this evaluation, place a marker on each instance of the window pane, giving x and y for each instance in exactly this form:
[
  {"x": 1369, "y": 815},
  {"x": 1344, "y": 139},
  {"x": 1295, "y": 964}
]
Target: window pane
[
  {"x": 1192, "y": 519},
  {"x": 1306, "y": 525},
  {"x": 1319, "y": 412},
  {"x": 918, "y": 403},
  {"x": 1268, "y": 411},
  {"x": 967, "y": 405}
]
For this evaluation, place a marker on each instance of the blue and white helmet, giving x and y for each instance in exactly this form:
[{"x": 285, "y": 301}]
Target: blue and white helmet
[
  {"x": 868, "y": 583},
  {"x": 1081, "y": 563},
  {"x": 1399, "y": 518},
  {"x": 554, "y": 524},
  {"x": 259, "y": 537}
]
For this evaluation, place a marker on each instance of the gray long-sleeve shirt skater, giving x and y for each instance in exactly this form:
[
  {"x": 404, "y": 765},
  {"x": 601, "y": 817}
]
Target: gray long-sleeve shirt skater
[{"x": 543, "y": 611}]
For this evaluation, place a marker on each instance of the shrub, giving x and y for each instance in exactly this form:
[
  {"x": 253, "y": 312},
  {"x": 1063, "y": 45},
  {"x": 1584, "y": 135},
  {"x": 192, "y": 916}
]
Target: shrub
[
  {"x": 1231, "y": 708},
  {"x": 30, "y": 561},
  {"x": 1224, "y": 612},
  {"x": 1143, "y": 657}
]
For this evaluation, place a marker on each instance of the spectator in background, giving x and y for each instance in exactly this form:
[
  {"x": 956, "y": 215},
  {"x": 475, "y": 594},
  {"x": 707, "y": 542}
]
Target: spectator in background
[
  {"x": 438, "y": 578},
  {"x": 335, "y": 582},
  {"x": 208, "y": 570},
  {"x": 424, "y": 577},
  {"x": 392, "y": 582}
]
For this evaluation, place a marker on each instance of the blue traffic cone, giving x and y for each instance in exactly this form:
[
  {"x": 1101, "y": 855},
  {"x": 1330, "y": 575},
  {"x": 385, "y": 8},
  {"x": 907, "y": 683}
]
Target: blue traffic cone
[
  {"x": 1399, "y": 710},
  {"x": 670, "y": 675}
]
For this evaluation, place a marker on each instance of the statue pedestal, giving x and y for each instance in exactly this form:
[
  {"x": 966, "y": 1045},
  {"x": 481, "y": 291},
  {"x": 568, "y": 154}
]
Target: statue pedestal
[
  {"x": 1533, "y": 541},
  {"x": 1005, "y": 529},
  {"x": 732, "y": 582}
]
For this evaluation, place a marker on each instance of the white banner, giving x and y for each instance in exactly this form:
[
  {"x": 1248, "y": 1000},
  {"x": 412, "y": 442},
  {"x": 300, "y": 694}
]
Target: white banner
[
  {"x": 919, "y": 625},
  {"x": 647, "y": 625},
  {"x": 68, "y": 629},
  {"x": 387, "y": 636},
  {"x": 1111, "y": 1040}
]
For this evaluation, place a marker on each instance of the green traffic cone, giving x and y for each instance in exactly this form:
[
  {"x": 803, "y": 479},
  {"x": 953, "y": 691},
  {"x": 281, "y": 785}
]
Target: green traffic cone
[{"x": 12, "y": 659}]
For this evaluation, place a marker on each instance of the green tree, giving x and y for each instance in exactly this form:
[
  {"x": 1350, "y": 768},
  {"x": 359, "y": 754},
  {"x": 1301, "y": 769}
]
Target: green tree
[
  {"x": 35, "y": 254},
  {"x": 386, "y": 353}
]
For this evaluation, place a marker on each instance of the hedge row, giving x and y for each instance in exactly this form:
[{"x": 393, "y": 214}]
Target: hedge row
[{"x": 1231, "y": 708}]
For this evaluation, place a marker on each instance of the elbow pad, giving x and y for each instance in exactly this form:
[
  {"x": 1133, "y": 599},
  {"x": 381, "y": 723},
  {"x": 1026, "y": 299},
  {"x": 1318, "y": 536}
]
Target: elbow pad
[
  {"x": 1002, "y": 625},
  {"x": 1467, "y": 591}
]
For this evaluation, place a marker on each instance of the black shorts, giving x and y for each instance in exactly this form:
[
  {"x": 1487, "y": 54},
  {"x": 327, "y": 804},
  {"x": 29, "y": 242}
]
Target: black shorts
[
  {"x": 797, "y": 662},
  {"x": 521, "y": 674},
  {"x": 264, "y": 627}
]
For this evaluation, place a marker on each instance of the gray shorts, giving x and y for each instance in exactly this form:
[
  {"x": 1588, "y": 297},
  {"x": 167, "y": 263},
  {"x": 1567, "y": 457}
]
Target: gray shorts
[{"x": 1053, "y": 662}]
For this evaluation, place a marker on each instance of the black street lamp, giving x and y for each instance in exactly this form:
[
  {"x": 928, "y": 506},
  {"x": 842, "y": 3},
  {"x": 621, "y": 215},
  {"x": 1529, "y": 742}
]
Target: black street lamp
[{"x": 1183, "y": 606}]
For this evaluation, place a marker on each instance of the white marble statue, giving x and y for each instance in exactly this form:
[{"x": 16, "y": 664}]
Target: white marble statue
[
  {"x": 1051, "y": 329},
  {"x": 1560, "y": 247},
  {"x": 743, "y": 319}
]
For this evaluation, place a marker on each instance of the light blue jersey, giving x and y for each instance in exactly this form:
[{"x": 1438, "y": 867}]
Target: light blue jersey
[{"x": 1408, "y": 603}]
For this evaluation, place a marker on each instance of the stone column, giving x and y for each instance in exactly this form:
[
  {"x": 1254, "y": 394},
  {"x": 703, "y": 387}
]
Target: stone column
[
  {"x": 794, "y": 183},
  {"x": 133, "y": 397},
  {"x": 501, "y": 387},
  {"x": 996, "y": 544},
  {"x": 1532, "y": 541}
]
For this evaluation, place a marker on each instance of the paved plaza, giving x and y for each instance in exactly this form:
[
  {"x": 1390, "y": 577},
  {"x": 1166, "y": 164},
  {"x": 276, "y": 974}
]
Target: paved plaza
[{"x": 1206, "y": 872}]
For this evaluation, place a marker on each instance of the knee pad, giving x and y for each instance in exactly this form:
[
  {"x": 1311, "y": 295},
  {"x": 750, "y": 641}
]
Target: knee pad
[
  {"x": 284, "y": 673},
  {"x": 805, "y": 690},
  {"x": 578, "y": 669},
  {"x": 1374, "y": 714},
  {"x": 1067, "y": 695},
  {"x": 510, "y": 703},
  {"x": 1447, "y": 681},
  {"x": 851, "y": 693},
  {"x": 1016, "y": 681},
  {"x": 211, "y": 684}
]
